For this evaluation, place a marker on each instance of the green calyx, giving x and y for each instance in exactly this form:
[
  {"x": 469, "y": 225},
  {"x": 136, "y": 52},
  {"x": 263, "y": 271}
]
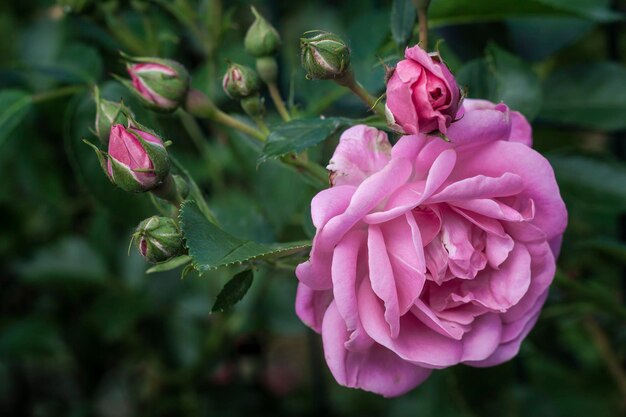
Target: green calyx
[
  {"x": 262, "y": 39},
  {"x": 158, "y": 239},
  {"x": 325, "y": 56}
]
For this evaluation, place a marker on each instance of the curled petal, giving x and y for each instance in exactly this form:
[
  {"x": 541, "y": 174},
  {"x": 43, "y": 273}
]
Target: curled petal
[{"x": 374, "y": 369}]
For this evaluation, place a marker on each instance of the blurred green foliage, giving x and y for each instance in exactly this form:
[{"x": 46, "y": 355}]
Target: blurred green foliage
[{"x": 85, "y": 332}]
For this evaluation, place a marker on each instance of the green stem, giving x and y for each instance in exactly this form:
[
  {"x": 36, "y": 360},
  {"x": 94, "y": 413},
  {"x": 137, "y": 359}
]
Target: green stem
[
  {"x": 278, "y": 101},
  {"x": 372, "y": 102},
  {"x": 200, "y": 105},
  {"x": 168, "y": 192},
  {"x": 59, "y": 92},
  {"x": 195, "y": 192},
  {"x": 608, "y": 355},
  {"x": 314, "y": 171},
  {"x": 197, "y": 137},
  {"x": 261, "y": 123},
  {"x": 422, "y": 21}
]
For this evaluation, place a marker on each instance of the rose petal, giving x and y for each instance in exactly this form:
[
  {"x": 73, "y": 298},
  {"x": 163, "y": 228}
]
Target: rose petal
[
  {"x": 362, "y": 151},
  {"x": 375, "y": 369}
]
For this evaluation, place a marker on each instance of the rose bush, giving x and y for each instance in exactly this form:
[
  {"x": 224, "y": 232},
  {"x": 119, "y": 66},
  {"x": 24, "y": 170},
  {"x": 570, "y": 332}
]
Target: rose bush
[
  {"x": 422, "y": 94},
  {"x": 430, "y": 253}
]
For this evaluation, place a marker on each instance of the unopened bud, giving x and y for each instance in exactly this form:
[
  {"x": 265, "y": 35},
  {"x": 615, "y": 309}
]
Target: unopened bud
[
  {"x": 240, "y": 81},
  {"x": 108, "y": 113},
  {"x": 136, "y": 160},
  {"x": 325, "y": 55},
  {"x": 161, "y": 84},
  {"x": 159, "y": 239},
  {"x": 262, "y": 39}
]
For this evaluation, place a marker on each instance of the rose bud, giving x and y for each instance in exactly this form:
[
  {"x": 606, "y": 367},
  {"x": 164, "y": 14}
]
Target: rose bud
[
  {"x": 108, "y": 113},
  {"x": 159, "y": 239},
  {"x": 325, "y": 55},
  {"x": 161, "y": 84},
  {"x": 262, "y": 39},
  {"x": 136, "y": 161},
  {"x": 240, "y": 81},
  {"x": 422, "y": 94}
]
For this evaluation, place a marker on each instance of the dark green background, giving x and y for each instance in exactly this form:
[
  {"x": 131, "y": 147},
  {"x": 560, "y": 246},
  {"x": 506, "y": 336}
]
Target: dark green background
[{"x": 85, "y": 332}]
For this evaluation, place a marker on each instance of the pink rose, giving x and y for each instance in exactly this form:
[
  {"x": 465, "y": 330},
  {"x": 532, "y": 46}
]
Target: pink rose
[
  {"x": 430, "y": 253},
  {"x": 422, "y": 94}
]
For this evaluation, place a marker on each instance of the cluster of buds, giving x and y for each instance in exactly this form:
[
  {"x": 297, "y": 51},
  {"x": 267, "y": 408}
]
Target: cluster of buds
[{"x": 136, "y": 159}]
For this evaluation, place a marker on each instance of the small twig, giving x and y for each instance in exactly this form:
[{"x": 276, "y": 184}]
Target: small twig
[
  {"x": 278, "y": 102},
  {"x": 608, "y": 355}
]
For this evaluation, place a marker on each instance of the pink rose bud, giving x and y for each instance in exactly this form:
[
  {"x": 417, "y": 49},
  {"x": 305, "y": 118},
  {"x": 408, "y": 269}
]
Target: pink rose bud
[
  {"x": 429, "y": 253},
  {"x": 136, "y": 161},
  {"x": 161, "y": 84},
  {"x": 422, "y": 94}
]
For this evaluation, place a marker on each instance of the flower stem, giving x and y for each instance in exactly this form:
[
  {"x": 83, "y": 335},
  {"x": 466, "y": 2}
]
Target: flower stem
[
  {"x": 314, "y": 171},
  {"x": 608, "y": 355},
  {"x": 351, "y": 83},
  {"x": 57, "y": 93},
  {"x": 200, "y": 105},
  {"x": 422, "y": 20},
  {"x": 261, "y": 123},
  {"x": 278, "y": 101}
]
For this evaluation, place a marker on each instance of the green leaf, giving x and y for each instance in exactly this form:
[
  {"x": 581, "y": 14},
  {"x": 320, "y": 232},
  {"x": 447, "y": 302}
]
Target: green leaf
[
  {"x": 300, "y": 134},
  {"x": 211, "y": 247},
  {"x": 169, "y": 265},
  {"x": 233, "y": 291},
  {"x": 14, "y": 106},
  {"x": 592, "y": 95},
  {"x": 537, "y": 38},
  {"x": 71, "y": 260},
  {"x": 402, "y": 21},
  {"x": 597, "y": 182},
  {"x": 502, "y": 76},
  {"x": 454, "y": 12}
]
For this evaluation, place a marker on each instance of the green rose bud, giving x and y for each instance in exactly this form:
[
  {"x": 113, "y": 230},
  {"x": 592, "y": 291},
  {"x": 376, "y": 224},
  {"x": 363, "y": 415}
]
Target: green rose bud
[
  {"x": 262, "y": 39},
  {"x": 159, "y": 239},
  {"x": 240, "y": 81},
  {"x": 325, "y": 56},
  {"x": 108, "y": 113}
]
